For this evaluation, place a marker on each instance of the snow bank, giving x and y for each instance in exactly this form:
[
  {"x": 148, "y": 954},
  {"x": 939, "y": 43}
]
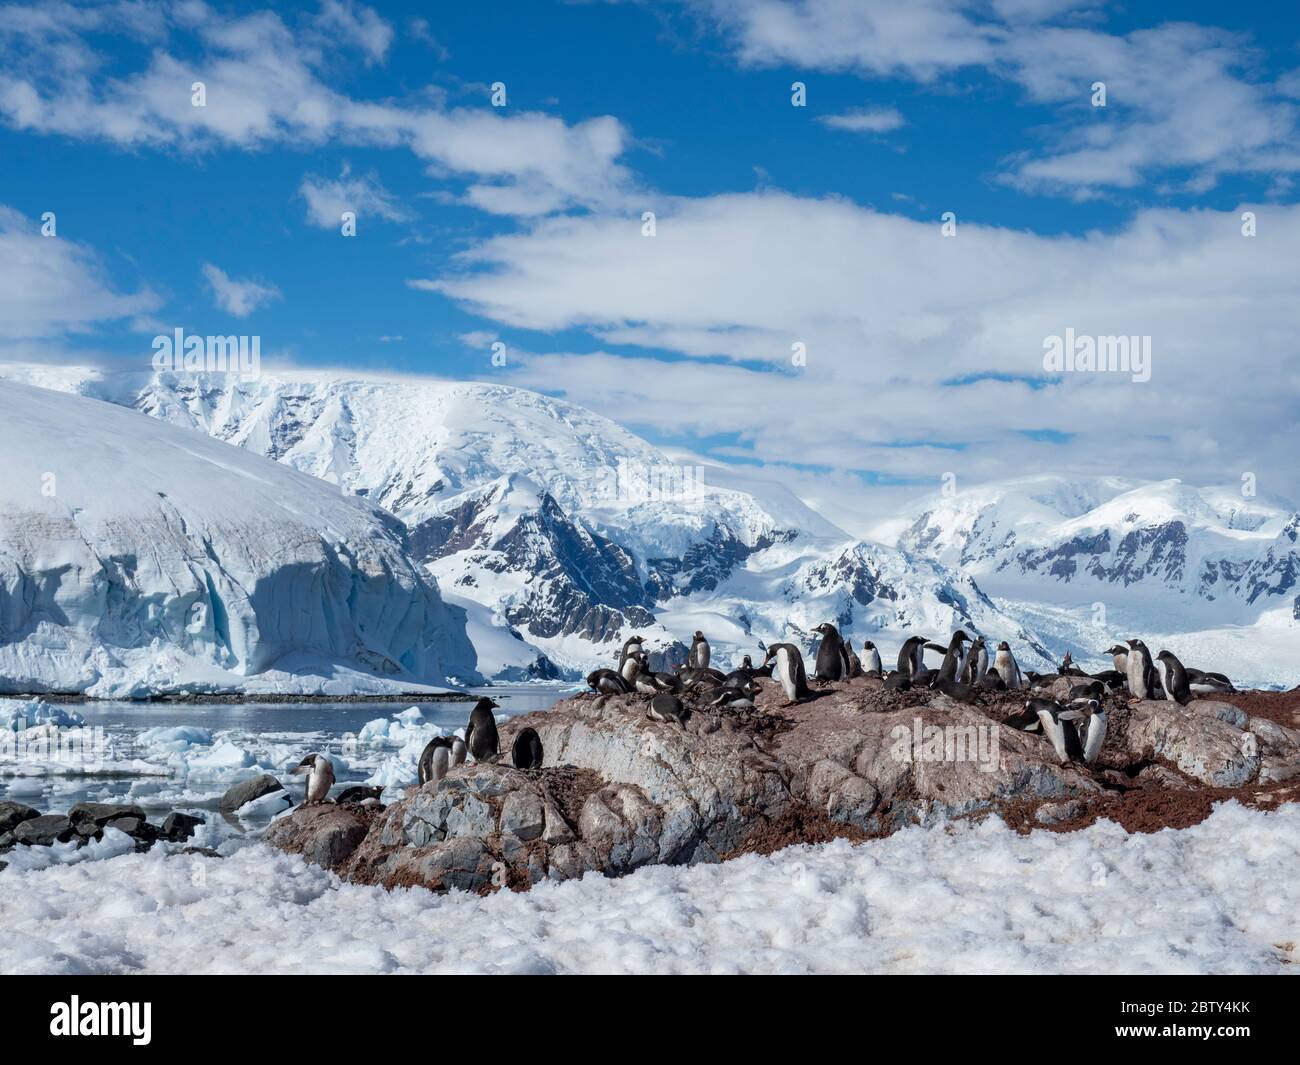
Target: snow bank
[
  {"x": 136, "y": 557},
  {"x": 1223, "y": 896}
]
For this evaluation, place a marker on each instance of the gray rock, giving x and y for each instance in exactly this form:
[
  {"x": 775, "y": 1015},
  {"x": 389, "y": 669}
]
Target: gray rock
[
  {"x": 43, "y": 831},
  {"x": 13, "y": 813},
  {"x": 100, "y": 814},
  {"x": 248, "y": 790},
  {"x": 323, "y": 833},
  {"x": 522, "y": 815},
  {"x": 178, "y": 827}
]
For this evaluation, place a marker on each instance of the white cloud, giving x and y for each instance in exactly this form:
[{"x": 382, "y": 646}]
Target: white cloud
[
  {"x": 865, "y": 120},
  {"x": 363, "y": 194},
  {"x": 265, "y": 85},
  {"x": 1180, "y": 97},
  {"x": 892, "y": 313},
  {"x": 240, "y": 298},
  {"x": 54, "y": 286}
]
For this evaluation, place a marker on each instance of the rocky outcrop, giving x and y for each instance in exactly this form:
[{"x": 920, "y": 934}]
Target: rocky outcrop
[
  {"x": 619, "y": 791},
  {"x": 247, "y": 791},
  {"x": 23, "y": 826}
]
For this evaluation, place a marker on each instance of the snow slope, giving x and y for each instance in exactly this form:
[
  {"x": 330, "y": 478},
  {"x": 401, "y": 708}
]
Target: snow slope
[
  {"x": 1220, "y": 897},
  {"x": 136, "y": 557}
]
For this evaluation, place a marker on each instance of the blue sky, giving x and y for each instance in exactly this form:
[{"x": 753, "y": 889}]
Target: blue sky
[{"x": 777, "y": 224}]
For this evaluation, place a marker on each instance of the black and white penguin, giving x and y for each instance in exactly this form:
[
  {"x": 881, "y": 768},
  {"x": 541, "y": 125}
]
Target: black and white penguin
[
  {"x": 607, "y": 682},
  {"x": 459, "y": 751},
  {"x": 481, "y": 732},
  {"x": 1119, "y": 655},
  {"x": 1201, "y": 683},
  {"x": 740, "y": 695},
  {"x": 789, "y": 670},
  {"x": 704, "y": 677},
  {"x": 527, "y": 750},
  {"x": 952, "y": 657},
  {"x": 962, "y": 693},
  {"x": 668, "y": 708},
  {"x": 630, "y": 666},
  {"x": 896, "y": 681},
  {"x": 911, "y": 656},
  {"x": 1068, "y": 668},
  {"x": 435, "y": 760},
  {"x": 871, "y": 659},
  {"x": 700, "y": 653},
  {"x": 1112, "y": 678},
  {"x": 1139, "y": 670},
  {"x": 1026, "y": 718},
  {"x": 1004, "y": 663},
  {"x": 976, "y": 663},
  {"x": 631, "y": 649},
  {"x": 1174, "y": 678},
  {"x": 992, "y": 682},
  {"x": 854, "y": 662},
  {"x": 320, "y": 777},
  {"x": 1095, "y": 735},
  {"x": 1092, "y": 689},
  {"x": 651, "y": 683},
  {"x": 361, "y": 794},
  {"x": 830, "y": 653},
  {"x": 1058, "y": 725}
]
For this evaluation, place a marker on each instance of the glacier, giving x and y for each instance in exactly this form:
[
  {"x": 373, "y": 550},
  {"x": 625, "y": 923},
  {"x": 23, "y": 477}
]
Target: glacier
[{"x": 139, "y": 559}]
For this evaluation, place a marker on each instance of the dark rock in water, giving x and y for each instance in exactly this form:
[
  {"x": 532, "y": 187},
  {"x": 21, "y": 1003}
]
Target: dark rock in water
[
  {"x": 324, "y": 833},
  {"x": 178, "y": 827},
  {"x": 43, "y": 831},
  {"x": 101, "y": 813},
  {"x": 136, "y": 827},
  {"x": 248, "y": 790},
  {"x": 13, "y": 813}
]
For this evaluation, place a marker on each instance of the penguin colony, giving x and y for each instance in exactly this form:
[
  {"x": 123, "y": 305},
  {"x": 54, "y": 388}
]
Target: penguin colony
[{"x": 1076, "y": 728}]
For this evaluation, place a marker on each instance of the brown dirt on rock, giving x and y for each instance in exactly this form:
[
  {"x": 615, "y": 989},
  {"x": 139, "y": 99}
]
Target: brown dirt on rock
[
  {"x": 800, "y": 823},
  {"x": 569, "y": 787},
  {"x": 1280, "y": 707}
]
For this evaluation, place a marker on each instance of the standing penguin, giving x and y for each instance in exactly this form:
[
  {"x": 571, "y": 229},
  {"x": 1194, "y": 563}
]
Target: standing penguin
[
  {"x": 1119, "y": 655},
  {"x": 458, "y": 751},
  {"x": 1005, "y": 664},
  {"x": 631, "y": 649},
  {"x": 976, "y": 663},
  {"x": 1096, "y": 734},
  {"x": 910, "y": 656},
  {"x": 871, "y": 659},
  {"x": 1139, "y": 670},
  {"x": 321, "y": 777},
  {"x": 830, "y": 654},
  {"x": 435, "y": 759},
  {"x": 1174, "y": 678},
  {"x": 481, "y": 732},
  {"x": 527, "y": 750},
  {"x": 789, "y": 670},
  {"x": 699, "y": 655},
  {"x": 1058, "y": 726},
  {"x": 854, "y": 662},
  {"x": 952, "y": 657}
]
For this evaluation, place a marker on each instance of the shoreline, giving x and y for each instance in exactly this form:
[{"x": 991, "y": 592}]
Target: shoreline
[{"x": 246, "y": 697}]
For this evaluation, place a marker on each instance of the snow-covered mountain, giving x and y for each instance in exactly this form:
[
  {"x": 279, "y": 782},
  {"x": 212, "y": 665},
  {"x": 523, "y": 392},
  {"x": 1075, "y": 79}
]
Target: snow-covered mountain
[
  {"x": 557, "y": 530},
  {"x": 136, "y": 557},
  {"x": 1209, "y": 573}
]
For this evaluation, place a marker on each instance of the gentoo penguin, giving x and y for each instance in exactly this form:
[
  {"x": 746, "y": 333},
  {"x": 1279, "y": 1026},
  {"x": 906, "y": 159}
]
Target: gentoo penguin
[
  {"x": 1025, "y": 719},
  {"x": 1201, "y": 683},
  {"x": 871, "y": 659},
  {"x": 789, "y": 670},
  {"x": 481, "y": 732},
  {"x": 830, "y": 654},
  {"x": 963, "y": 693},
  {"x": 952, "y": 656},
  {"x": 1005, "y": 664},
  {"x": 1058, "y": 726},
  {"x": 1112, "y": 678},
  {"x": 1119, "y": 655},
  {"x": 1068, "y": 668},
  {"x": 527, "y": 750},
  {"x": 607, "y": 682},
  {"x": 435, "y": 759},
  {"x": 911, "y": 655},
  {"x": 855, "y": 663},
  {"x": 321, "y": 777},
  {"x": 458, "y": 751},
  {"x": 728, "y": 695},
  {"x": 976, "y": 662},
  {"x": 1096, "y": 733},
  {"x": 630, "y": 666},
  {"x": 668, "y": 708},
  {"x": 699, "y": 656},
  {"x": 651, "y": 683},
  {"x": 1174, "y": 678},
  {"x": 631, "y": 648},
  {"x": 992, "y": 681},
  {"x": 897, "y": 681},
  {"x": 361, "y": 794},
  {"x": 1139, "y": 670},
  {"x": 1092, "y": 689}
]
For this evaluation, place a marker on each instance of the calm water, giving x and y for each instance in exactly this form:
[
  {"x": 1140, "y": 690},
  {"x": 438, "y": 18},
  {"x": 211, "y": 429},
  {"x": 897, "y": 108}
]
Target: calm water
[{"x": 184, "y": 756}]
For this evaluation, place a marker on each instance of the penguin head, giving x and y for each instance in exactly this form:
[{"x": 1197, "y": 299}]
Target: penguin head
[
  {"x": 486, "y": 704},
  {"x": 867, "y": 645},
  {"x": 960, "y": 637},
  {"x": 1004, "y": 646},
  {"x": 747, "y": 662},
  {"x": 1116, "y": 649},
  {"x": 306, "y": 765}
]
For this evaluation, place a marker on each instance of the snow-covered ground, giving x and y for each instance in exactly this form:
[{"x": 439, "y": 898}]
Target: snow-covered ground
[{"x": 1223, "y": 896}]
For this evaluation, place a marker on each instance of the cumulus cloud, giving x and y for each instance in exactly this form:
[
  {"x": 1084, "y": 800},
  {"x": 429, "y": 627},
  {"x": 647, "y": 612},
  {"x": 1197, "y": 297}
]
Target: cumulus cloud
[
  {"x": 1180, "y": 97},
  {"x": 240, "y": 298},
  {"x": 865, "y": 120},
  {"x": 54, "y": 286},
  {"x": 264, "y": 85},
  {"x": 362, "y": 194},
  {"x": 924, "y": 353}
]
